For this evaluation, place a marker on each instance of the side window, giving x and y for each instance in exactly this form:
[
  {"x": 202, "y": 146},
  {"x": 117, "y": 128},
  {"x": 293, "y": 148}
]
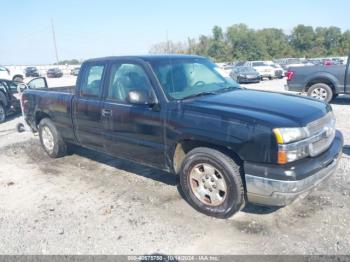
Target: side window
[
  {"x": 93, "y": 81},
  {"x": 127, "y": 77}
]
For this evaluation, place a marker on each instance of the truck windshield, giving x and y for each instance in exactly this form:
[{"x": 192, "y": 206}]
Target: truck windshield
[{"x": 184, "y": 78}]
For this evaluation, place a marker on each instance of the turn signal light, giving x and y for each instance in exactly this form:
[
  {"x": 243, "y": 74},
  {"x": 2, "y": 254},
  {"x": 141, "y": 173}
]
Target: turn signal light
[{"x": 282, "y": 157}]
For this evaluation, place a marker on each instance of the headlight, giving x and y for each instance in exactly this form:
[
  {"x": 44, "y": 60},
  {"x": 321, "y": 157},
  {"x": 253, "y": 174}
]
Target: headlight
[
  {"x": 285, "y": 136},
  {"x": 288, "y": 135}
]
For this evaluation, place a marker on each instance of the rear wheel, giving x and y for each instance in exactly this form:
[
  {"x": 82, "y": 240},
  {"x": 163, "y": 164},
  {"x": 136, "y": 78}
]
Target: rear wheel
[
  {"x": 51, "y": 140},
  {"x": 2, "y": 113},
  {"x": 321, "y": 92},
  {"x": 18, "y": 78},
  {"x": 211, "y": 182}
]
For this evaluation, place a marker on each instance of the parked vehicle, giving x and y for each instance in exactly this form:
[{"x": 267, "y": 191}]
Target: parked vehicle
[
  {"x": 278, "y": 70},
  {"x": 178, "y": 114},
  {"x": 315, "y": 61},
  {"x": 9, "y": 101},
  {"x": 224, "y": 69},
  {"x": 265, "y": 70},
  {"x": 31, "y": 71},
  {"x": 245, "y": 74},
  {"x": 75, "y": 71},
  {"x": 320, "y": 82},
  {"x": 54, "y": 73},
  {"x": 6, "y": 73},
  {"x": 286, "y": 63}
]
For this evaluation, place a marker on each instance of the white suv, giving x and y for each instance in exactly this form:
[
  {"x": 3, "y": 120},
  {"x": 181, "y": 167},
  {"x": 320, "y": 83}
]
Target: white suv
[{"x": 264, "y": 70}]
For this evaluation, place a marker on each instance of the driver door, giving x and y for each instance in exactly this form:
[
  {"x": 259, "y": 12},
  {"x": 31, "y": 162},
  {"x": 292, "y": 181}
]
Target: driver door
[
  {"x": 37, "y": 83},
  {"x": 132, "y": 131}
]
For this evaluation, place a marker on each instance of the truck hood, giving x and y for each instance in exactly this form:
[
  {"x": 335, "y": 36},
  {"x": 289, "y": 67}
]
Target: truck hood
[{"x": 267, "y": 108}]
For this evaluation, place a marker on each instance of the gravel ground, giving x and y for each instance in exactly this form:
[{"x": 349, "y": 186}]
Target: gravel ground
[{"x": 88, "y": 203}]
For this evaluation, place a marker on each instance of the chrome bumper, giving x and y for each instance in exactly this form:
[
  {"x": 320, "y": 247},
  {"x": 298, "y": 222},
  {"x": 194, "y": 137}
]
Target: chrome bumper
[{"x": 271, "y": 192}]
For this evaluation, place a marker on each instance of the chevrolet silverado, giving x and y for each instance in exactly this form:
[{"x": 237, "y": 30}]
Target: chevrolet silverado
[{"x": 177, "y": 113}]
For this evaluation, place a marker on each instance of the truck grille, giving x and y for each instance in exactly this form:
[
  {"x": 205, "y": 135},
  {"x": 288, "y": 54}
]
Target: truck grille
[{"x": 324, "y": 130}]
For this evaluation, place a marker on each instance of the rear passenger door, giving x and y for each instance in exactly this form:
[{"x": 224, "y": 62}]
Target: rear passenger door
[
  {"x": 133, "y": 131},
  {"x": 87, "y": 106}
]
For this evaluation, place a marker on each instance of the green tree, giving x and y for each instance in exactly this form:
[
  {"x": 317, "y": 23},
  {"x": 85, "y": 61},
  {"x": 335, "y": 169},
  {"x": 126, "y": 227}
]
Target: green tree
[
  {"x": 239, "y": 42},
  {"x": 275, "y": 42},
  {"x": 217, "y": 46},
  {"x": 302, "y": 39},
  {"x": 244, "y": 43},
  {"x": 333, "y": 37},
  {"x": 345, "y": 43}
]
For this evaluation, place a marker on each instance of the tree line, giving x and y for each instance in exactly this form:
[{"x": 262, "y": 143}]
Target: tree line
[{"x": 239, "y": 43}]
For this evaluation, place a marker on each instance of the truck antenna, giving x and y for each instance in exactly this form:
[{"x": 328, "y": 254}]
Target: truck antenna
[{"x": 54, "y": 40}]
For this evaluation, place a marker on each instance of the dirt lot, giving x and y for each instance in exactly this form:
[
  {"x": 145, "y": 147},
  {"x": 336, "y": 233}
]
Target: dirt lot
[{"x": 88, "y": 203}]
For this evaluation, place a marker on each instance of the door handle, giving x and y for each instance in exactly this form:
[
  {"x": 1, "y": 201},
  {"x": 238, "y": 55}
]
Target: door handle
[{"x": 106, "y": 112}]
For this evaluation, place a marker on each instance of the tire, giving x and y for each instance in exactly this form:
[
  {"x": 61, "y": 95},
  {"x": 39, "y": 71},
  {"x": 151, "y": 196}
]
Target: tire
[
  {"x": 225, "y": 169},
  {"x": 2, "y": 113},
  {"x": 51, "y": 140},
  {"x": 321, "y": 92},
  {"x": 20, "y": 128}
]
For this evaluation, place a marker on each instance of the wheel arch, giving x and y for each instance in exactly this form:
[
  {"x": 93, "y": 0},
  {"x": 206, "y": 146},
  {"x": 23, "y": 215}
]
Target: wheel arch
[
  {"x": 182, "y": 147},
  {"x": 321, "y": 80},
  {"x": 17, "y": 75},
  {"x": 40, "y": 115}
]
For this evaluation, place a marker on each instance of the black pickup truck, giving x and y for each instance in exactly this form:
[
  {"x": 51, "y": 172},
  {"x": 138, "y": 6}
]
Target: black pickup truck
[
  {"x": 320, "y": 82},
  {"x": 9, "y": 95},
  {"x": 178, "y": 113}
]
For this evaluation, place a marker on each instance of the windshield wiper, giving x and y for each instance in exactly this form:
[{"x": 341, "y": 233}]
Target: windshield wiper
[
  {"x": 228, "y": 88},
  {"x": 199, "y": 94}
]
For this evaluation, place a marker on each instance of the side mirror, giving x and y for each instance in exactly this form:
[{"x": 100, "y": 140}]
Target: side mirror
[
  {"x": 37, "y": 83},
  {"x": 21, "y": 87},
  {"x": 140, "y": 97}
]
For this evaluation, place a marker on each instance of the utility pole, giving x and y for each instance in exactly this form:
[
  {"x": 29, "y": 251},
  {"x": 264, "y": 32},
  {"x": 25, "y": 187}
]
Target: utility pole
[{"x": 54, "y": 40}]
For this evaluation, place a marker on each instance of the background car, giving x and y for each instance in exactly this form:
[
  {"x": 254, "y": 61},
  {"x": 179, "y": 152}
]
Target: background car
[
  {"x": 9, "y": 96},
  {"x": 286, "y": 63},
  {"x": 6, "y": 73},
  {"x": 31, "y": 71},
  {"x": 75, "y": 71},
  {"x": 245, "y": 74},
  {"x": 265, "y": 70},
  {"x": 224, "y": 69},
  {"x": 54, "y": 73},
  {"x": 279, "y": 71}
]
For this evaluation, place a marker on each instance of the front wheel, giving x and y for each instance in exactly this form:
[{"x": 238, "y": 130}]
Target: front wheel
[
  {"x": 51, "y": 139},
  {"x": 321, "y": 92},
  {"x": 212, "y": 182}
]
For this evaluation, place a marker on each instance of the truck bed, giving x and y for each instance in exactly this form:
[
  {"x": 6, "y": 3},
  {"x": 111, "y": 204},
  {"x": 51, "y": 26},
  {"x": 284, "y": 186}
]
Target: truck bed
[
  {"x": 61, "y": 89},
  {"x": 58, "y": 102}
]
